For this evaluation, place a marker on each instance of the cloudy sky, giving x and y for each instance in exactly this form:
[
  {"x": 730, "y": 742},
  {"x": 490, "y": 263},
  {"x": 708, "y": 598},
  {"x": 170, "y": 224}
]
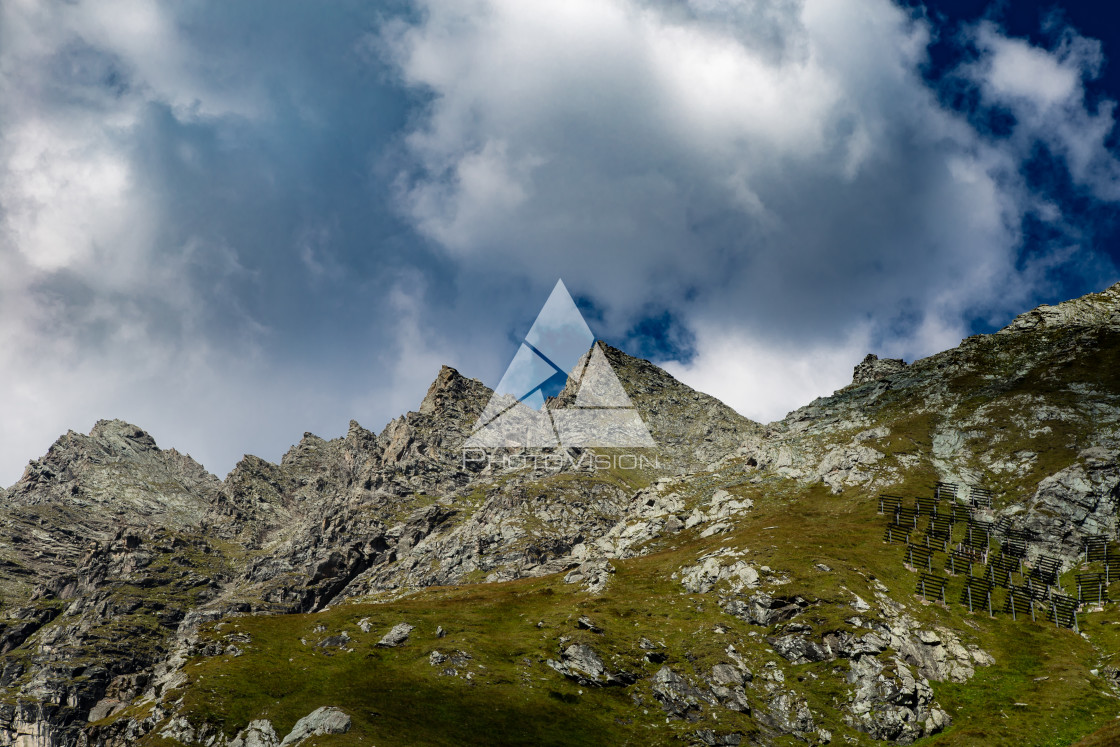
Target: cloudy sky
[{"x": 230, "y": 223}]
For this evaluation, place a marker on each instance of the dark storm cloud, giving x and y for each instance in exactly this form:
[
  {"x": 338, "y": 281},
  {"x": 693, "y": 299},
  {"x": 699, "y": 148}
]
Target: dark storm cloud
[{"x": 196, "y": 229}]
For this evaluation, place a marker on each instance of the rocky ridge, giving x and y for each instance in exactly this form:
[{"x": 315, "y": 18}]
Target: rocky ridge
[{"x": 120, "y": 561}]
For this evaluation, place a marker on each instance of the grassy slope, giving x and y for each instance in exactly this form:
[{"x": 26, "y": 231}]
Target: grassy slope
[{"x": 396, "y": 697}]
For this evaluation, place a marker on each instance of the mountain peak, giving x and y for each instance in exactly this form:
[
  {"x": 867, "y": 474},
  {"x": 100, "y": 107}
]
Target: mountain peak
[
  {"x": 873, "y": 368},
  {"x": 121, "y": 433},
  {"x": 1088, "y": 310},
  {"x": 690, "y": 427},
  {"x": 117, "y": 471},
  {"x": 450, "y": 386}
]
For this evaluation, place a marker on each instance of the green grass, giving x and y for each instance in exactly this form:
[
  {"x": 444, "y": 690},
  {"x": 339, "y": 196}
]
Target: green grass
[
  {"x": 396, "y": 697},
  {"x": 1038, "y": 692},
  {"x": 1106, "y": 736}
]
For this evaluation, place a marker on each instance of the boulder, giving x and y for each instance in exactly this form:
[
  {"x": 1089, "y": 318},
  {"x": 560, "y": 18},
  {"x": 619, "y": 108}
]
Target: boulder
[
  {"x": 593, "y": 574},
  {"x": 677, "y": 696},
  {"x": 727, "y": 674},
  {"x": 398, "y": 636},
  {"x": 258, "y": 733},
  {"x": 325, "y": 720},
  {"x": 579, "y": 662},
  {"x": 342, "y": 640}
]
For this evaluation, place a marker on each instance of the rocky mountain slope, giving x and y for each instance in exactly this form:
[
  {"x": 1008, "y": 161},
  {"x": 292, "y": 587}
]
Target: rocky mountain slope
[{"x": 732, "y": 585}]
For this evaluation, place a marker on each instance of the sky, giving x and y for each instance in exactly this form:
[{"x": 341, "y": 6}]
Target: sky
[{"x": 231, "y": 223}]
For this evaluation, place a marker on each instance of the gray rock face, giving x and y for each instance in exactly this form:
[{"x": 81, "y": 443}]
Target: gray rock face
[
  {"x": 593, "y": 574},
  {"x": 1095, "y": 309},
  {"x": 677, "y": 696},
  {"x": 789, "y": 713},
  {"x": 799, "y": 649},
  {"x": 895, "y": 702},
  {"x": 117, "y": 472},
  {"x": 710, "y": 737},
  {"x": 892, "y": 704},
  {"x": 937, "y": 655},
  {"x": 851, "y": 647},
  {"x": 873, "y": 368},
  {"x": 96, "y": 515},
  {"x": 680, "y": 698},
  {"x": 1081, "y": 500},
  {"x": 703, "y": 577},
  {"x": 726, "y": 674},
  {"x": 763, "y": 609},
  {"x": 847, "y": 465}
]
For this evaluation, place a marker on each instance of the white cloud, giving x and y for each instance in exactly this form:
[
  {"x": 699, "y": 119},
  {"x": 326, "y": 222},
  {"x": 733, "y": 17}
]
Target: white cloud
[
  {"x": 771, "y": 170},
  {"x": 1018, "y": 70},
  {"x": 765, "y": 380},
  {"x": 416, "y": 351},
  {"x": 457, "y": 209},
  {"x": 69, "y": 197},
  {"x": 1045, "y": 91},
  {"x": 98, "y": 313}
]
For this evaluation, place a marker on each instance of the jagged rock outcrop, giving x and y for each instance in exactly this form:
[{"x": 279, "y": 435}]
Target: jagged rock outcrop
[
  {"x": 873, "y": 368},
  {"x": 703, "y": 577},
  {"x": 1093, "y": 310},
  {"x": 763, "y": 609},
  {"x": 890, "y": 703},
  {"x": 103, "y": 540},
  {"x": 580, "y": 663},
  {"x": 678, "y": 697}
]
